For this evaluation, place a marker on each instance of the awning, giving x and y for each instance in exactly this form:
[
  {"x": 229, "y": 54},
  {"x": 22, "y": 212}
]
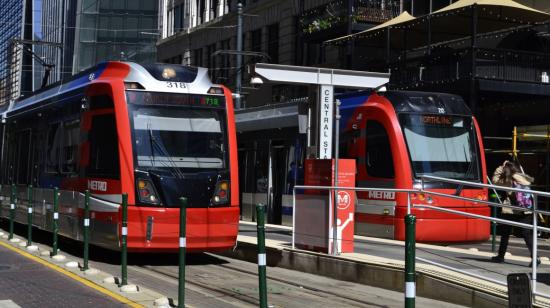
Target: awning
[
  {"x": 455, "y": 20},
  {"x": 504, "y": 4},
  {"x": 451, "y": 22},
  {"x": 394, "y": 22}
]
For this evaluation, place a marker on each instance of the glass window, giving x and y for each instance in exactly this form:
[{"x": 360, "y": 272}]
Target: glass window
[
  {"x": 179, "y": 138},
  {"x": 103, "y": 140},
  {"x": 89, "y": 6},
  {"x": 71, "y": 135},
  {"x": 105, "y": 4},
  {"x": 23, "y": 156},
  {"x": 53, "y": 152},
  {"x": 105, "y": 31},
  {"x": 148, "y": 5},
  {"x": 378, "y": 158},
  {"x": 273, "y": 43},
  {"x": 118, "y": 4},
  {"x": 132, "y": 5},
  {"x": 87, "y": 34},
  {"x": 261, "y": 166},
  {"x": 131, "y": 23},
  {"x": 177, "y": 19},
  {"x": 256, "y": 40},
  {"x": 441, "y": 145}
]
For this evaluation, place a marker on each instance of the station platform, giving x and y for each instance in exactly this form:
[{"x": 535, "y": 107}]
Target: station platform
[
  {"x": 458, "y": 274},
  {"x": 28, "y": 281}
]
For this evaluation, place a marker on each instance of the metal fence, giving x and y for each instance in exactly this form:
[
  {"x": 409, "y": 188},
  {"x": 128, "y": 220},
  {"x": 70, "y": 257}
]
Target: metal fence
[{"x": 534, "y": 212}]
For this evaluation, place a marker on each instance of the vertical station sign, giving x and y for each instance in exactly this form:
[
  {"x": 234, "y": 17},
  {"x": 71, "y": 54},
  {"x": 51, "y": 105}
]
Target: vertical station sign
[{"x": 326, "y": 95}]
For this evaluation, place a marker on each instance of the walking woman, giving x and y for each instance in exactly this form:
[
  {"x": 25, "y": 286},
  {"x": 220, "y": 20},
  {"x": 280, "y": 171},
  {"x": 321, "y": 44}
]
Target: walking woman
[{"x": 509, "y": 174}]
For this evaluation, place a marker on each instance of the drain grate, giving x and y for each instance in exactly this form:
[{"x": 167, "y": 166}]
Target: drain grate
[{"x": 4, "y": 267}]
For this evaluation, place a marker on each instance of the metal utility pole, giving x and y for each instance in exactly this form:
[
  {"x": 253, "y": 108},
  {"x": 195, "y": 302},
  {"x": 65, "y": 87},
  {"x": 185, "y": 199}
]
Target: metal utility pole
[{"x": 239, "y": 55}]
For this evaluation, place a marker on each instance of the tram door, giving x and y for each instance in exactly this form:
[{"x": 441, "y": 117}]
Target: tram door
[
  {"x": 278, "y": 166},
  {"x": 264, "y": 178},
  {"x": 377, "y": 171}
]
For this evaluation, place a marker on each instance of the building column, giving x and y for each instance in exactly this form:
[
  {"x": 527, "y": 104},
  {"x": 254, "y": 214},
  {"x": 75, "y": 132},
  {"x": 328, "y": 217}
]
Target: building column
[{"x": 207, "y": 16}]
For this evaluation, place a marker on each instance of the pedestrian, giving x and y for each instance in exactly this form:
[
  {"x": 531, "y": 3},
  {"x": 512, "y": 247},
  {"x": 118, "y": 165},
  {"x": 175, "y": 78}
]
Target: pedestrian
[{"x": 509, "y": 174}]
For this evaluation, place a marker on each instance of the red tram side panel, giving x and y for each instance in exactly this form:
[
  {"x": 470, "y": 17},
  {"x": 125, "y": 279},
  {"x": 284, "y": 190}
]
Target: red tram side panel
[
  {"x": 395, "y": 138},
  {"x": 155, "y": 132}
]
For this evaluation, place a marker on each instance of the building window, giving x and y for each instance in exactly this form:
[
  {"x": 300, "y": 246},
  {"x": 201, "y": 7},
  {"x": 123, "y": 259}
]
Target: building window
[
  {"x": 224, "y": 65},
  {"x": 256, "y": 40},
  {"x": 178, "y": 18},
  {"x": 202, "y": 12},
  {"x": 214, "y": 8},
  {"x": 273, "y": 42},
  {"x": 197, "y": 56},
  {"x": 174, "y": 60},
  {"x": 211, "y": 60}
]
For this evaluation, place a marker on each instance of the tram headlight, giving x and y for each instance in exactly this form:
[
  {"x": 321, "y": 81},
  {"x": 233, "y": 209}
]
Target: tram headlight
[
  {"x": 147, "y": 192},
  {"x": 221, "y": 193}
]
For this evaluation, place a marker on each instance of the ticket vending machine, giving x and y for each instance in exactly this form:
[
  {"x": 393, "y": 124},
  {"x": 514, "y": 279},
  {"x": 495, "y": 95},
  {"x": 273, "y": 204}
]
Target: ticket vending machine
[{"x": 314, "y": 210}]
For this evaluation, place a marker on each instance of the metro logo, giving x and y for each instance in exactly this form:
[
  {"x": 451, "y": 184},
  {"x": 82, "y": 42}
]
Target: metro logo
[
  {"x": 97, "y": 185},
  {"x": 344, "y": 200},
  {"x": 385, "y": 195}
]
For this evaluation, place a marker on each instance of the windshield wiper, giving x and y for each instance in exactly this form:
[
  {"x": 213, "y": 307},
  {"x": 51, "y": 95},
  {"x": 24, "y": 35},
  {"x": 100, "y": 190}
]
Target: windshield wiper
[
  {"x": 151, "y": 142},
  {"x": 172, "y": 167}
]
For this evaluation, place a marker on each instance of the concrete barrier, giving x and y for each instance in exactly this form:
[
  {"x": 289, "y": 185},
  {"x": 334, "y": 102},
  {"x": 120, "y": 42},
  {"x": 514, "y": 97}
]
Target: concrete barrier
[{"x": 386, "y": 276}]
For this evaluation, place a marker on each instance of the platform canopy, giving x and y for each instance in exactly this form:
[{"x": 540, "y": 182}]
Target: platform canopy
[{"x": 455, "y": 21}]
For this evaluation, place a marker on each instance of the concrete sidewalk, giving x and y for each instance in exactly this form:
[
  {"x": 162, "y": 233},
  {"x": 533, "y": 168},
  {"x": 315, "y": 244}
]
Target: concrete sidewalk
[{"x": 27, "y": 283}]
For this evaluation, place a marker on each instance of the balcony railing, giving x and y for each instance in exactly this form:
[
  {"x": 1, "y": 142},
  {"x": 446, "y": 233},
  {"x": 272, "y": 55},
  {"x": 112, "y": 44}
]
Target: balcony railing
[
  {"x": 491, "y": 64},
  {"x": 335, "y": 14}
]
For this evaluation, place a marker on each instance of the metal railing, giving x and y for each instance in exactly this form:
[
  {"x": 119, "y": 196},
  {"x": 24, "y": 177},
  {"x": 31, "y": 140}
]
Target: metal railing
[
  {"x": 335, "y": 13},
  {"x": 455, "y": 64},
  {"x": 535, "y": 211}
]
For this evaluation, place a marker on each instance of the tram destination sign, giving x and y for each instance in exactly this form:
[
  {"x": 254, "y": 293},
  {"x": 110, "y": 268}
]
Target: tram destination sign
[
  {"x": 175, "y": 99},
  {"x": 326, "y": 110},
  {"x": 434, "y": 120}
]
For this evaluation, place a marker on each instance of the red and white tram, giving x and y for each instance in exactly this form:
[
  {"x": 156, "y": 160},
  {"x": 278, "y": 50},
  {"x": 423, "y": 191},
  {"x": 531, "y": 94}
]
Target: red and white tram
[
  {"x": 156, "y": 132},
  {"x": 396, "y": 137}
]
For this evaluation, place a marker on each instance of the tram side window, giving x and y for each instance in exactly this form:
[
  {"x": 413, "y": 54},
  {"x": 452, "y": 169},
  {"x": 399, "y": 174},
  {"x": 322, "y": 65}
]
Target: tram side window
[
  {"x": 23, "y": 156},
  {"x": 347, "y": 144},
  {"x": 54, "y": 147},
  {"x": 104, "y": 148},
  {"x": 70, "y": 146},
  {"x": 10, "y": 162},
  {"x": 378, "y": 155}
]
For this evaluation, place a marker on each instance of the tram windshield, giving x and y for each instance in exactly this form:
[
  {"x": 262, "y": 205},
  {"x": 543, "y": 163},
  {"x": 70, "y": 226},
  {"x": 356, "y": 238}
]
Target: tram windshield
[
  {"x": 179, "y": 137},
  {"x": 441, "y": 145}
]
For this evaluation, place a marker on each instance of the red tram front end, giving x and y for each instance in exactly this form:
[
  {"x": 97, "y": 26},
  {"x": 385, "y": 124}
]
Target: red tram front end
[
  {"x": 397, "y": 137},
  {"x": 155, "y": 132},
  {"x": 183, "y": 145}
]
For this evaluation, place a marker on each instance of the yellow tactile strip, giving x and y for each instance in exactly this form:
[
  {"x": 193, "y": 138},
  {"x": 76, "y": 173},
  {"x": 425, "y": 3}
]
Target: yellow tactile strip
[{"x": 72, "y": 275}]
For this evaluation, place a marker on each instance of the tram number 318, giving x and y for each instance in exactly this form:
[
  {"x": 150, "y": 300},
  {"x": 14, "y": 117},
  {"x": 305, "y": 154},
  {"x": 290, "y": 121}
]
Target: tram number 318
[{"x": 176, "y": 85}]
